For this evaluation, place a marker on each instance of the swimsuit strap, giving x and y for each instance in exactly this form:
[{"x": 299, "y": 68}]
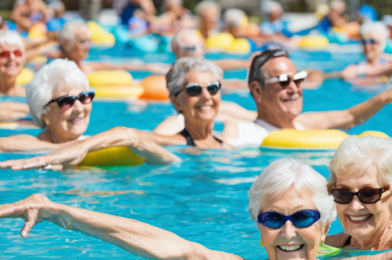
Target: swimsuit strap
[
  {"x": 348, "y": 241},
  {"x": 189, "y": 139}
]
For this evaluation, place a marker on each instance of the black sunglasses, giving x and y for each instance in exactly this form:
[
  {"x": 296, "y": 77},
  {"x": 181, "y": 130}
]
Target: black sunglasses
[
  {"x": 367, "y": 196},
  {"x": 66, "y": 102},
  {"x": 369, "y": 41},
  {"x": 194, "y": 89},
  {"x": 284, "y": 80}
]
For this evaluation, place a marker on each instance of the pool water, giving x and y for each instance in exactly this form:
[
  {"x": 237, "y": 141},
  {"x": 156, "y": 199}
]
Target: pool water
[{"x": 204, "y": 199}]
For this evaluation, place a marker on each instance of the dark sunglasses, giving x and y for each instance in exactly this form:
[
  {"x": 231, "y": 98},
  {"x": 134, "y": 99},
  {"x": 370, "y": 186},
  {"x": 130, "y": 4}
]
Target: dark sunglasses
[
  {"x": 192, "y": 48},
  {"x": 194, "y": 89},
  {"x": 369, "y": 41},
  {"x": 284, "y": 80},
  {"x": 7, "y": 54},
  {"x": 367, "y": 196},
  {"x": 66, "y": 102},
  {"x": 301, "y": 219}
]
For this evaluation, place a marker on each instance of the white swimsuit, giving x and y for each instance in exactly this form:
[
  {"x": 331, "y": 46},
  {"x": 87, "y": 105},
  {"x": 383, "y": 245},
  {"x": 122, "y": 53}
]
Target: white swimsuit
[{"x": 253, "y": 133}]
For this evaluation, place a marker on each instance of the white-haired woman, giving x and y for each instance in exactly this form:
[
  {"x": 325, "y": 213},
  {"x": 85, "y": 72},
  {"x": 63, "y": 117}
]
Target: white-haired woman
[
  {"x": 361, "y": 175},
  {"x": 60, "y": 102},
  {"x": 209, "y": 15},
  {"x": 373, "y": 39},
  {"x": 288, "y": 202},
  {"x": 75, "y": 37}
]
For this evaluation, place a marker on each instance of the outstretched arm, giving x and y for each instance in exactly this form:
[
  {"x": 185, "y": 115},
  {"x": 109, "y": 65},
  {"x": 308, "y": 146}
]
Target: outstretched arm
[
  {"x": 13, "y": 110},
  {"x": 136, "y": 237},
  {"x": 153, "y": 68},
  {"x": 348, "y": 118},
  {"x": 25, "y": 143},
  {"x": 74, "y": 152}
]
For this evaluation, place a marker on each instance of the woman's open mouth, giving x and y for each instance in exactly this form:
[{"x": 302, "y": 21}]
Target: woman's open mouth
[{"x": 290, "y": 248}]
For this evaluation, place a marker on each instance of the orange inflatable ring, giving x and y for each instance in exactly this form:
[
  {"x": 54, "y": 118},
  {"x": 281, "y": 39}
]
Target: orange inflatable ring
[{"x": 155, "y": 88}]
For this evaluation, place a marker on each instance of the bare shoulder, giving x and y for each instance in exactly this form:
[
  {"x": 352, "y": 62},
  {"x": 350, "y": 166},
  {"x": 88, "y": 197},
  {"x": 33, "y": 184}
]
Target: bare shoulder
[
  {"x": 337, "y": 240},
  {"x": 230, "y": 132}
]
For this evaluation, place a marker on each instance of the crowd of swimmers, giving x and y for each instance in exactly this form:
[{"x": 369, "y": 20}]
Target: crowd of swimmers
[{"x": 358, "y": 191}]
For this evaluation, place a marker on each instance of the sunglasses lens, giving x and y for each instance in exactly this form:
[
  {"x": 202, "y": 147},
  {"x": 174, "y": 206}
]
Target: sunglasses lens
[
  {"x": 284, "y": 83},
  {"x": 18, "y": 53},
  {"x": 213, "y": 88},
  {"x": 273, "y": 220},
  {"x": 4, "y": 54},
  {"x": 302, "y": 219},
  {"x": 66, "y": 103},
  {"x": 86, "y": 98},
  {"x": 298, "y": 81},
  {"x": 194, "y": 90},
  {"x": 369, "y": 195},
  {"x": 342, "y": 196}
]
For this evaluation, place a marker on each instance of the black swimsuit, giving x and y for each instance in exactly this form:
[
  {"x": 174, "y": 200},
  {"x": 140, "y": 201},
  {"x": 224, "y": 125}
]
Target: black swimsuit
[
  {"x": 348, "y": 241},
  {"x": 189, "y": 139}
]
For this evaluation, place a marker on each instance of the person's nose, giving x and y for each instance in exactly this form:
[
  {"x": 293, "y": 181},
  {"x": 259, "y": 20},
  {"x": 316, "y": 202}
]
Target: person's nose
[
  {"x": 289, "y": 230},
  {"x": 292, "y": 88},
  {"x": 77, "y": 107},
  {"x": 205, "y": 94},
  {"x": 355, "y": 204}
]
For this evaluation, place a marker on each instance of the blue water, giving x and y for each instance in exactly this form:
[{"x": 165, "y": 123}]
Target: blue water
[{"x": 203, "y": 199}]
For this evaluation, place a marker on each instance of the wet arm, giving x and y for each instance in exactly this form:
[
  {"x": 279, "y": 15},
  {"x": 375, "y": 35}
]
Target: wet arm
[
  {"x": 346, "y": 119},
  {"x": 13, "y": 110},
  {"x": 154, "y": 68},
  {"x": 231, "y": 64},
  {"x": 133, "y": 236},
  {"x": 25, "y": 143}
]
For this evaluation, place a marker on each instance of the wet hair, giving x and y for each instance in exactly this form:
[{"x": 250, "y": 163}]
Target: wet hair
[
  {"x": 53, "y": 77},
  {"x": 356, "y": 155},
  {"x": 279, "y": 176},
  {"x": 175, "y": 78}
]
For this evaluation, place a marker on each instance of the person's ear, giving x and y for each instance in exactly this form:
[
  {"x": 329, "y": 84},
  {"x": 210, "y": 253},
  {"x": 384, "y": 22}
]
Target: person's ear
[
  {"x": 45, "y": 119},
  {"x": 256, "y": 91},
  {"x": 175, "y": 103}
]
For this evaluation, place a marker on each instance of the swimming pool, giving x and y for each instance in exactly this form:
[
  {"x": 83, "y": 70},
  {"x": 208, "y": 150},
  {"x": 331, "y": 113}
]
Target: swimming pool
[{"x": 203, "y": 199}]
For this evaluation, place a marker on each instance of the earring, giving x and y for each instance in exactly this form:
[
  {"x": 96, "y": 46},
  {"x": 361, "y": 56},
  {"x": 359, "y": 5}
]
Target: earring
[{"x": 261, "y": 242}]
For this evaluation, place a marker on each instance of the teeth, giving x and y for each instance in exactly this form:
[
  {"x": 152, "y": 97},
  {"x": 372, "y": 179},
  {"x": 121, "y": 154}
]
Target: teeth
[
  {"x": 290, "y": 248},
  {"x": 205, "y": 107},
  {"x": 361, "y": 218},
  {"x": 77, "y": 120}
]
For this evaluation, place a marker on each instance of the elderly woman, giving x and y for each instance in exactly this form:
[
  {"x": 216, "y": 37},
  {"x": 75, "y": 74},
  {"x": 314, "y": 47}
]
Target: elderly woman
[
  {"x": 361, "y": 175},
  {"x": 373, "y": 38},
  {"x": 291, "y": 230},
  {"x": 75, "y": 37},
  {"x": 60, "y": 102},
  {"x": 209, "y": 15},
  {"x": 27, "y": 13}
]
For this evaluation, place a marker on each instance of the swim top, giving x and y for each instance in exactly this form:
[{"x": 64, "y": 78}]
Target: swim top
[
  {"x": 189, "y": 139},
  {"x": 253, "y": 133}
]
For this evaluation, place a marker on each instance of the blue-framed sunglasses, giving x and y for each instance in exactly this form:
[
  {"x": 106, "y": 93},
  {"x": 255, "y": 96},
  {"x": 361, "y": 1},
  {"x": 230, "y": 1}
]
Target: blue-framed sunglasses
[
  {"x": 301, "y": 219},
  {"x": 369, "y": 41}
]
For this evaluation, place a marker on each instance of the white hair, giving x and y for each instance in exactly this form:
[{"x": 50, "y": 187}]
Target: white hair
[
  {"x": 357, "y": 154},
  {"x": 12, "y": 39},
  {"x": 54, "y": 77},
  {"x": 284, "y": 173},
  {"x": 68, "y": 31},
  {"x": 378, "y": 29},
  {"x": 233, "y": 16},
  {"x": 206, "y": 5},
  {"x": 175, "y": 78},
  {"x": 177, "y": 40},
  {"x": 273, "y": 6}
]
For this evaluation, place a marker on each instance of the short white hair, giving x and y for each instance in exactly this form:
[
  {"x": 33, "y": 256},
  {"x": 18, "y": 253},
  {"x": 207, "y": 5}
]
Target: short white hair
[
  {"x": 357, "y": 154},
  {"x": 12, "y": 39},
  {"x": 175, "y": 78},
  {"x": 177, "y": 40},
  {"x": 378, "y": 29},
  {"x": 284, "y": 173},
  {"x": 233, "y": 16},
  {"x": 54, "y": 77},
  {"x": 206, "y": 5},
  {"x": 68, "y": 31},
  {"x": 272, "y": 6}
]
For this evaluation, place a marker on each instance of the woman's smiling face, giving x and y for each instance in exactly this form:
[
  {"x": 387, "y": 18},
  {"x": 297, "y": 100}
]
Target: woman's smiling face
[{"x": 290, "y": 242}]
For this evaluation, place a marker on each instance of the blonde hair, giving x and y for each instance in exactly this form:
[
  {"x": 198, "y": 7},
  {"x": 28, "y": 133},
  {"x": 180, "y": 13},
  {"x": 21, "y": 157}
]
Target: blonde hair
[{"x": 357, "y": 154}]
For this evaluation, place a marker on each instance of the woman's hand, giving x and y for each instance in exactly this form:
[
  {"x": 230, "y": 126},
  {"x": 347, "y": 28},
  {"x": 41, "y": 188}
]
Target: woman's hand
[
  {"x": 71, "y": 154},
  {"x": 33, "y": 210}
]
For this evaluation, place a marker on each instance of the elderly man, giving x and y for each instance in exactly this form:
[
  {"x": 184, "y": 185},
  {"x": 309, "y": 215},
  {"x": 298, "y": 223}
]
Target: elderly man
[
  {"x": 75, "y": 39},
  {"x": 275, "y": 85}
]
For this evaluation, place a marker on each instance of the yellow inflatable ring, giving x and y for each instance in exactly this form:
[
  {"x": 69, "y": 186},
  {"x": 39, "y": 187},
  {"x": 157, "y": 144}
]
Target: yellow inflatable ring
[
  {"x": 38, "y": 32},
  {"x": 155, "y": 88},
  {"x": 309, "y": 139},
  {"x": 110, "y": 78},
  {"x": 133, "y": 91},
  {"x": 24, "y": 77},
  {"x": 239, "y": 46},
  {"x": 314, "y": 42},
  {"x": 219, "y": 41},
  {"x": 99, "y": 35},
  {"x": 113, "y": 156}
]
